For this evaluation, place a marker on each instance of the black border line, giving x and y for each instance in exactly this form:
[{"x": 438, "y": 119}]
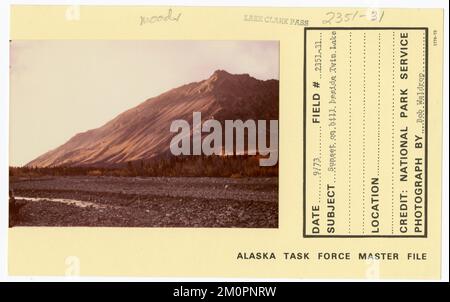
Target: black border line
[
  {"x": 426, "y": 132},
  {"x": 425, "y": 235},
  {"x": 304, "y": 133}
]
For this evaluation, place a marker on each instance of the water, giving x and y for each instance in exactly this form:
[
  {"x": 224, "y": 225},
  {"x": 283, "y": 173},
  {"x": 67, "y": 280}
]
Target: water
[{"x": 73, "y": 202}]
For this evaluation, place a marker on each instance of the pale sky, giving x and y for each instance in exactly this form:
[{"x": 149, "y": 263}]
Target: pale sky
[{"x": 60, "y": 88}]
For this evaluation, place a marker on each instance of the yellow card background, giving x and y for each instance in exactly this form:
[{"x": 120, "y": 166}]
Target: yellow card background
[{"x": 199, "y": 252}]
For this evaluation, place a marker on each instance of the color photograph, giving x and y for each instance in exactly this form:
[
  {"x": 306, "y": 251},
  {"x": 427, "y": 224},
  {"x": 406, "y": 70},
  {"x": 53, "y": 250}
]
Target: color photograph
[{"x": 144, "y": 133}]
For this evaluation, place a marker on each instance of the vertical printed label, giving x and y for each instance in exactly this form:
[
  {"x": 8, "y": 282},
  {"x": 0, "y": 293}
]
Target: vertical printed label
[{"x": 365, "y": 140}]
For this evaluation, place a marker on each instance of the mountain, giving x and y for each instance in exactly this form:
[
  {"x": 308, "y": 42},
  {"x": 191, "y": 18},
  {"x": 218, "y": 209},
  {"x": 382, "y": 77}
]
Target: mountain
[{"x": 143, "y": 132}]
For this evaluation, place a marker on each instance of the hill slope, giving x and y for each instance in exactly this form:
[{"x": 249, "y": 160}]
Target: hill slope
[{"x": 142, "y": 133}]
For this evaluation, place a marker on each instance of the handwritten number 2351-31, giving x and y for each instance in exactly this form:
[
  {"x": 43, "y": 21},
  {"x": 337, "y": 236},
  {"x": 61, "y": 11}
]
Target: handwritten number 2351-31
[{"x": 338, "y": 17}]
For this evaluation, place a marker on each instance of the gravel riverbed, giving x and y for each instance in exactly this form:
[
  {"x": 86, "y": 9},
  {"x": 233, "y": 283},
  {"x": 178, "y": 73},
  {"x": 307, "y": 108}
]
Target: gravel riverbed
[{"x": 147, "y": 202}]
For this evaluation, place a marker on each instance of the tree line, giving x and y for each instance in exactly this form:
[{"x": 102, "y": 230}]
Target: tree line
[{"x": 196, "y": 166}]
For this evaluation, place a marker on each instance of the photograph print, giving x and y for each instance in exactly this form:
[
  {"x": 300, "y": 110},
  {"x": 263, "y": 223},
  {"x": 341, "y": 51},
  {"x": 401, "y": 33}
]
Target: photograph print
[{"x": 144, "y": 133}]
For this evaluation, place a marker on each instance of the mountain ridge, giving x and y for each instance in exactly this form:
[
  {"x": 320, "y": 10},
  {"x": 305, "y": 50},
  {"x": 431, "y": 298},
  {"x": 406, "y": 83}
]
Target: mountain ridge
[{"x": 142, "y": 132}]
